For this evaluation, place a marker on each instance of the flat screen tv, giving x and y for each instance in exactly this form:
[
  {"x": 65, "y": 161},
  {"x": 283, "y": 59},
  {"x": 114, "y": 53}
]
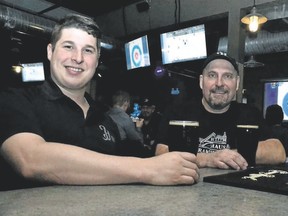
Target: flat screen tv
[
  {"x": 33, "y": 72},
  {"x": 137, "y": 53},
  {"x": 183, "y": 45},
  {"x": 276, "y": 92}
]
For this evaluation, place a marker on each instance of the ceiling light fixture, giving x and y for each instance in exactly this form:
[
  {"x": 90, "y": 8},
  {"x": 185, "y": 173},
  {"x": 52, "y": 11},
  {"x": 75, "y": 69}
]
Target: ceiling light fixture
[
  {"x": 254, "y": 19},
  {"x": 252, "y": 63},
  {"x": 17, "y": 68}
]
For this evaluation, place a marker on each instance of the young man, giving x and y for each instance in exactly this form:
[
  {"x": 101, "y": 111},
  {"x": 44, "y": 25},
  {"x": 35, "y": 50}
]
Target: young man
[
  {"x": 217, "y": 114},
  {"x": 56, "y": 134}
]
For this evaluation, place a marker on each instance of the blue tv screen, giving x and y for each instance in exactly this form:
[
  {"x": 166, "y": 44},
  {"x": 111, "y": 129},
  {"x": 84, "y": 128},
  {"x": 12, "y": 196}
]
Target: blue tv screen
[
  {"x": 137, "y": 53},
  {"x": 275, "y": 92}
]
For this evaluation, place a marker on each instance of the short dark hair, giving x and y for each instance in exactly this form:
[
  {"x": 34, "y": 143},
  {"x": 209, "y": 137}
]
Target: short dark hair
[
  {"x": 274, "y": 114},
  {"x": 84, "y": 23},
  {"x": 120, "y": 97}
]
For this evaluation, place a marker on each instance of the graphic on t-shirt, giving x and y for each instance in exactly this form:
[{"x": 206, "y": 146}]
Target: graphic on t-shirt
[{"x": 213, "y": 142}]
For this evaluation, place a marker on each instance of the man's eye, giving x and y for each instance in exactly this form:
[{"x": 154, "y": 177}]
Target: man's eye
[
  {"x": 212, "y": 75},
  {"x": 89, "y": 51},
  {"x": 68, "y": 47},
  {"x": 229, "y": 76}
]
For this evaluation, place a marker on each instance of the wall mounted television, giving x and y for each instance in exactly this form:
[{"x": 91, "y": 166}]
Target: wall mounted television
[
  {"x": 137, "y": 53},
  {"x": 183, "y": 44},
  {"x": 276, "y": 92},
  {"x": 33, "y": 72}
]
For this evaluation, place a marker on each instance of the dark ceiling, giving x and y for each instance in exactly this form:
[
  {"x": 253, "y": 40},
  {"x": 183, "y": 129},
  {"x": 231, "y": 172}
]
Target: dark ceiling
[{"x": 91, "y": 7}]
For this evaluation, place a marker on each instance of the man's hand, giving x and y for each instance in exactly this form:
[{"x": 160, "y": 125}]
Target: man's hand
[
  {"x": 139, "y": 122},
  {"x": 223, "y": 159},
  {"x": 172, "y": 168}
]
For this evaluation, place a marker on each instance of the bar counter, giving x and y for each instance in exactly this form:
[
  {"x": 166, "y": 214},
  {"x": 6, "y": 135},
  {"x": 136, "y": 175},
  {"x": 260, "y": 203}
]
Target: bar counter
[{"x": 143, "y": 200}]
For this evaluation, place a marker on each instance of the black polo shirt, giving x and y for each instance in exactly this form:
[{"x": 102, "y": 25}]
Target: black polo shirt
[{"x": 46, "y": 111}]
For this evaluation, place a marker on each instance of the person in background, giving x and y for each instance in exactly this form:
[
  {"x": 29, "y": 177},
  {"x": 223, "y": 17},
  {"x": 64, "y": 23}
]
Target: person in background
[
  {"x": 274, "y": 117},
  {"x": 218, "y": 113},
  {"x": 128, "y": 129},
  {"x": 151, "y": 122},
  {"x": 55, "y": 133}
]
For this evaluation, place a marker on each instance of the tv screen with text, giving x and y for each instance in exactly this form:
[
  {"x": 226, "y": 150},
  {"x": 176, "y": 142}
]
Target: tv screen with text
[
  {"x": 183, "y": 45},
  {"x": 33, "y": 72}
]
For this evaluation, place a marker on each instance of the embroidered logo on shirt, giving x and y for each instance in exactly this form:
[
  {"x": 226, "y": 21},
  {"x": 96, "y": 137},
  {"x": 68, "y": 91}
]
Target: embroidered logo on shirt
[
  {"x": 212, "y": 143},
  {"x": 106, "y": 135}
]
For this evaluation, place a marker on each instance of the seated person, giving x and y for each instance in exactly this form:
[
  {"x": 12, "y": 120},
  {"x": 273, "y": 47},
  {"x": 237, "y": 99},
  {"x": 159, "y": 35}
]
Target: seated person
[
  {"x": 128, "y": 129},
  {"x": 217, "y": 115},
  {"x": 55, "y": 133},
  {"x": 130, "y": 132},
  {"x": 274, "y": 117},
  {"x": 151, "y": 122}
]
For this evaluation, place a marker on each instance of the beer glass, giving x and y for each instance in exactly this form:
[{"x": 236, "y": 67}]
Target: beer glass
[
  {"x": 247, "y": 142},
  {"x": 183, "y": 136}
]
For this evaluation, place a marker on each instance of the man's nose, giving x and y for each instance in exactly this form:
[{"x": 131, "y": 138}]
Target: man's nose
[{"x": 77, "y": 56}]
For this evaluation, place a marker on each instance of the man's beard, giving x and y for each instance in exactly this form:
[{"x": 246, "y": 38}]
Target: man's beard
[
  {"x": 145, "y": 115},
  {"x": 217, "y": 106},
  {"x": 216, "y": 103}
]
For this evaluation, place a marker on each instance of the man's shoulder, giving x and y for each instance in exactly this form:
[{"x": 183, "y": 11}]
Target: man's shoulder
[
  {"x": 116, "y": 111},
  {"x": 20, "y": 94},
  {"x": 246, "y": 113},
  {"x": 244, "y": 106}
]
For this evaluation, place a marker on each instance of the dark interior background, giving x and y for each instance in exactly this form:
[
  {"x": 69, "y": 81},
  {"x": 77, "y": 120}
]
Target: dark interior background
[{"x": 28, "y": 48}]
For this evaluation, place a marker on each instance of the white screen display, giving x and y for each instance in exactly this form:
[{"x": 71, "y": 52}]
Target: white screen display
[
  {"x": 33, "y": 72},
  {"x": 183, "y": 44}
]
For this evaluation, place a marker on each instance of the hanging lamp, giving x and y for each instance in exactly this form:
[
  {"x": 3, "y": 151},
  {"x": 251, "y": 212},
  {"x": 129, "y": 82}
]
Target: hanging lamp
[{"x": 254, "y": 19}]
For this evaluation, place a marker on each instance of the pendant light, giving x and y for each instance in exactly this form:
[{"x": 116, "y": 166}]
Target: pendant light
[
  {"x": 254, "y": 19},
  {"x": 17, "y": 68}
]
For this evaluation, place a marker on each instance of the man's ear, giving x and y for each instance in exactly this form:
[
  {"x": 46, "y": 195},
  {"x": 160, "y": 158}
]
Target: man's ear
[
  {"x": 201, "y": 81},
  {"x": 49, "y": 51},
  {"x": 238, "y": 82}
]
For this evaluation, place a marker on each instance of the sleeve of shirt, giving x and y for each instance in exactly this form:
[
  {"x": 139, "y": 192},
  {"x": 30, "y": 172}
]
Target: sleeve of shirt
[
  {"x": 16, "y": 114},
  {"x": 252, "y": 115}
]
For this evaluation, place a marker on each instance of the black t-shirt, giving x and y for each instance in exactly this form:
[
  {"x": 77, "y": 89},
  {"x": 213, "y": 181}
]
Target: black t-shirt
[
  {"x": 46, "y": 111},
  {"x": 150, "y": 130},
  {"x": 216, "y": 131}
]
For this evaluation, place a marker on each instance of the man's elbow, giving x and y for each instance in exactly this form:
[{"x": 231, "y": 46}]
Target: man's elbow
[
  {"x": 24, "y": 169},
  {"x": 270, "y": 151},
  {"x": 161, "y": 149}
]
